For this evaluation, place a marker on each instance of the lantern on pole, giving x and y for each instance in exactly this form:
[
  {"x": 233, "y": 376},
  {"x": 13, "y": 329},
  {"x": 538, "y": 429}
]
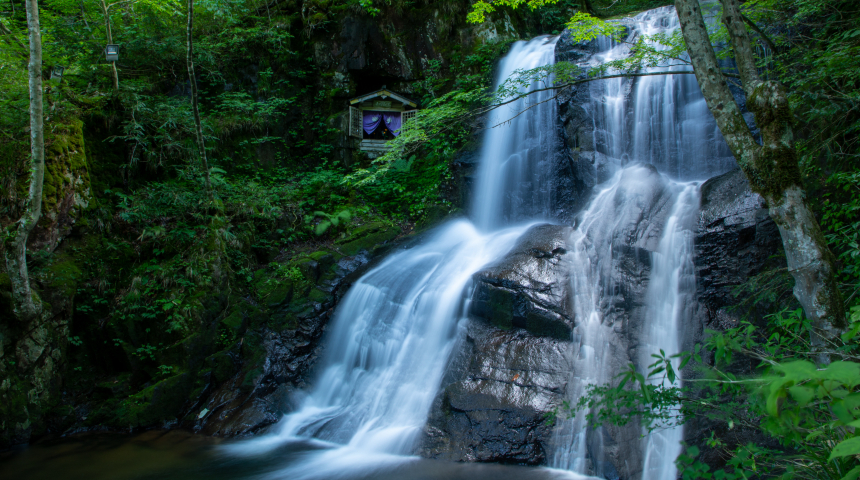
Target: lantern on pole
[
  {"x": 57, "y": 73},
  {"x": 112, "y": 53}
]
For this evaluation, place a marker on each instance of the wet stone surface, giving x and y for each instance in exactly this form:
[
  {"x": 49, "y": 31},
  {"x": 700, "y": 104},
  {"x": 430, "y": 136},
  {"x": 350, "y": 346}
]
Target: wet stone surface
[
  {"x": 529, "y": 288},
  {"x": 493, "y": 403}
]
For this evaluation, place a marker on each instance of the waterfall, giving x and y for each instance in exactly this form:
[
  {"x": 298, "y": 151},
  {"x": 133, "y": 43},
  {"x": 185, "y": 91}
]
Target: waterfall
[
  {"x": 514, "y": 178},
  {"x": 662, "y": 120},
  {"x": 670, "y": 299},
  {"x": 394, "y": 333},
  {"x": 658, "y": 136}
]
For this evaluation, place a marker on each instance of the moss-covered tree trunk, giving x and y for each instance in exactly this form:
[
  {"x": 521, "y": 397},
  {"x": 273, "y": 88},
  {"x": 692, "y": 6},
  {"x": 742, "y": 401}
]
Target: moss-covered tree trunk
[
  {"x": 772, "y": 167},
  {"x": 25, "y": 307},
  {"x": 192, "y": 78}
]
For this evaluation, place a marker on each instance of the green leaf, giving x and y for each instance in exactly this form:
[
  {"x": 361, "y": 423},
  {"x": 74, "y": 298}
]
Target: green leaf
[
  {"x": 322, "y": 227},
  {"x": 846, "y": 448},
  {"x": 854, "y": 474},
  {"x": 803, "y": 395}
]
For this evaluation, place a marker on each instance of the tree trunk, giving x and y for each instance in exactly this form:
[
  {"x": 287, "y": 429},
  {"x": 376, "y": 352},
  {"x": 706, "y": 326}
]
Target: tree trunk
[
  {"x": 193, "y": 80},
  {"x": 24, "y": 305},
  {"x": 772, "y": 167},
  {"x": 106, "y": 11}
]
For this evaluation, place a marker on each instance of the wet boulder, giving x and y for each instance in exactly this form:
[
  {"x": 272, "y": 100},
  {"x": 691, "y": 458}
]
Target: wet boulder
[
  {"x": 529, "y": 288},
  {"x": 495, "y": 398}
]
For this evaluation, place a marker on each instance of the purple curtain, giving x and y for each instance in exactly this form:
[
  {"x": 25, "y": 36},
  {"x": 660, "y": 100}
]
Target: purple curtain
[
  {"x": 393, "y": 122},
  {"x": 371, "y": 120}
]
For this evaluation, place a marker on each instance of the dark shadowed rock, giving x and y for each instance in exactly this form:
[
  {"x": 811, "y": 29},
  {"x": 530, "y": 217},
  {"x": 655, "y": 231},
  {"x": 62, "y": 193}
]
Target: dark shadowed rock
[{"x": 734, "y": 239}]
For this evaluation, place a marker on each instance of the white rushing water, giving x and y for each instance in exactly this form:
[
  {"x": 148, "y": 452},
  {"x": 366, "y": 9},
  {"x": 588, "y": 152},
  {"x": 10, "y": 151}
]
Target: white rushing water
[
  {"x": 514, "y": 182},
  {"x": 670, "y": 300},
  {"x": 662, "y": 120}
]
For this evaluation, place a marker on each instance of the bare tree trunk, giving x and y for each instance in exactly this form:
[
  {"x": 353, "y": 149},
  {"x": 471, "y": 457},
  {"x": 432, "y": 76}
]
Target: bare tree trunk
[
  {"x": 106, "y": 11},
  {"x": 25, "y": 307},
  {"x": 771, "y": 168},
  {"x": 193, "y": 80}
]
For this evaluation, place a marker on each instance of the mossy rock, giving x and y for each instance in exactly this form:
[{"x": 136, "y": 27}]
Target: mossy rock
[
  {"x": 310, "y": 269},
  {"x": 222, "y": 366},
  {"x": 317, "y": 295},
  {"x": 280, "y": 295},
  {"x": 65, "y": 164},
  {"x": 368, "y": 237},
  {"x": 64, "y": 276},
  {"x": 156, "y": 404},
  {"x": 234, "y": 320},
  {"x": 325, "y": 258}
]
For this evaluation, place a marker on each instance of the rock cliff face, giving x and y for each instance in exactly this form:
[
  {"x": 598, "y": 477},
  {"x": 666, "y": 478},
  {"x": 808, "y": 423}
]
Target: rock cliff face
[
  {"x": 735, "y": 240},
  {"x": 252, "y": 399},
  {"x": 529, "y": 288},
  {"x": 33, "y": 355}
]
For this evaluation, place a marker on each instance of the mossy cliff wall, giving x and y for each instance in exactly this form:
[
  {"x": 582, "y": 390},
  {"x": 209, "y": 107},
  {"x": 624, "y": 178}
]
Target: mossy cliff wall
[{"x": 33, "y": 355}]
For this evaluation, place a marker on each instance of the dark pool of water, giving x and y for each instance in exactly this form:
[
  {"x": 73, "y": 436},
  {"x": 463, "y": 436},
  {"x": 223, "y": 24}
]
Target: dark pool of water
[{"x": 175, "y": 455}]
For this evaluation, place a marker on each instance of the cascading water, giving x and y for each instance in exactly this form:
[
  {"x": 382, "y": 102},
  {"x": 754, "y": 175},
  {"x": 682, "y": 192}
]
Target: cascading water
[
  {"x": 670, "y": 300},
  {"x": 662, "y": 121},
  {"x": 514, "y": 179}
]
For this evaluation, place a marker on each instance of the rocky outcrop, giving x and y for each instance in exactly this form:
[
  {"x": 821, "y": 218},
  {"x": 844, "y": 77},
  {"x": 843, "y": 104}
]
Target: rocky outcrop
[
  {"x": 66, "y": 185},
  {"x": 530, "y": 287},
  {"x": 277, "y": 352},
  {"x": 495, "y": 399},
  {"x": 249, "y": 386},
  {"x": 33, "y": 357},
  {"x": 395, "y": 50},
  {"x": 512, "y": 369},
  {"x": 576, "y": 123},
  {"x": 735, "y": 240},
  {"x": 520, "y": 352}
]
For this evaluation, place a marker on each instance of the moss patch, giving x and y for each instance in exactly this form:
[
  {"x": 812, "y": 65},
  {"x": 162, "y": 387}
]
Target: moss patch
[{"x": 368, "y": 237}]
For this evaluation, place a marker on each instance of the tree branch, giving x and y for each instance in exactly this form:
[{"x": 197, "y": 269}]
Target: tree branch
[
  {"x": 760, "y": 33},
  {"x": 741, "y": 45},
  {"x": 8, "y": 36}
]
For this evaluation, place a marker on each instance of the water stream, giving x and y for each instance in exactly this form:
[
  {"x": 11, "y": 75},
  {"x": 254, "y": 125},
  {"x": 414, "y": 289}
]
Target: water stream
[{"x": 396, "y": 329}]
